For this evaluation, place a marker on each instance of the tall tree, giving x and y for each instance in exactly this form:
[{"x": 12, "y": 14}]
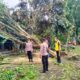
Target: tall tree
[{"x": 73, "y": 13}]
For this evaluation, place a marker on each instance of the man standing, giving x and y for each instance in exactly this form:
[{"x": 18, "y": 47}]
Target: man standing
[
  {"x": 29, "y": 50},
  {"x": 44, "y": 55},
  {"x": 57, "y": 49}
]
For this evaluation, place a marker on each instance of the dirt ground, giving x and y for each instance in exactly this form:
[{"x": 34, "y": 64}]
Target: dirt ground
[{"x": 67, "y": 70}]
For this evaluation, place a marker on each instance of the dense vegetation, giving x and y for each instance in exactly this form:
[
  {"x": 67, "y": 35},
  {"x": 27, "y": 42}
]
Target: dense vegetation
[
  {"x": 45, "y": 18},
  {"x": 63, "y": 20}
]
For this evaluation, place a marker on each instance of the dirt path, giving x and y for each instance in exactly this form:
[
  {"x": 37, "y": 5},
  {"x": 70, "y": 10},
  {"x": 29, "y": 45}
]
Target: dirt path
[{"x": 22, "y": 59}]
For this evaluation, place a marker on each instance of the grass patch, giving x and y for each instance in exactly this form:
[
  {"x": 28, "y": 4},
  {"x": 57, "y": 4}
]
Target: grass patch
[
  {"x": 70, "y": 72},
  {"x": 22, "y": 72},
  {"x": 76, "y": 51}
]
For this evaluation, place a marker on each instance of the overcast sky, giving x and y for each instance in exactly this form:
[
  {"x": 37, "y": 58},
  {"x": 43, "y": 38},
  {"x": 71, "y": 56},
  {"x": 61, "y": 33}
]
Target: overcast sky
[{"x": 11, "y": 3}]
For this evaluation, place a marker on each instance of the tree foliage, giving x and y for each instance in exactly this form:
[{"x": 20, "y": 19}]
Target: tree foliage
[
  {"x": 63, "y": 19},
  {"x": 72, "y": 13},
  {"x": 10, "y": 27}
]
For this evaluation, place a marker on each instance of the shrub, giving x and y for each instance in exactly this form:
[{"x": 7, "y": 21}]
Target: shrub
[{"x": 21, "y": 72}]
